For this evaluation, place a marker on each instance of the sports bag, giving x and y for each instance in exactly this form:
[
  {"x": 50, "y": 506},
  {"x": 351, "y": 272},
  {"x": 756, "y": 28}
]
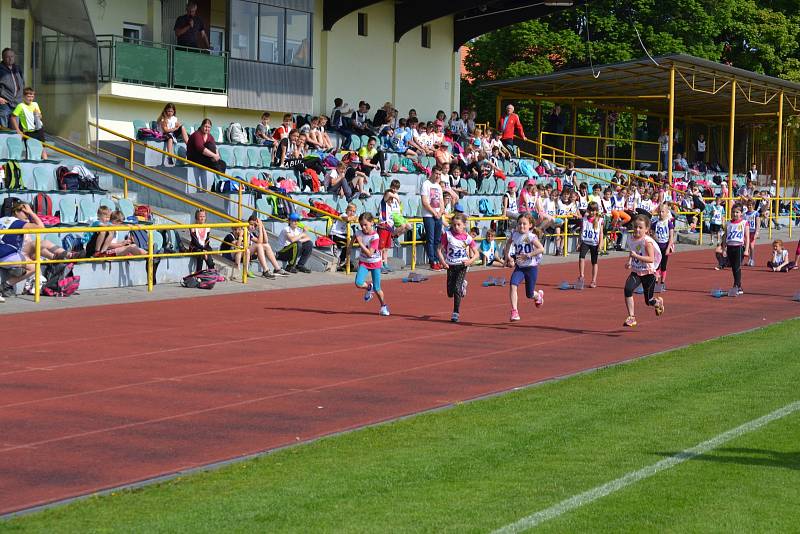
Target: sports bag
[
  {"x": 13, "y": 175},
  {"x": 8, "y": 203},
  {"x": 139, "y": 238},
  {"x": 322, "y": 206},
  {"x": 72, "y": 242},
  {"x": 205, "y": 279},
  {"x": 149, "y": 134},
  {"x": 67, "y": 179},
  {"x": 43, "y": 204},
  {"x": 143, "y": 213},
  {"x": 59, "y": 280},
  {"x": 236, "y": 134},
  {"x": 485, "y": 208}
]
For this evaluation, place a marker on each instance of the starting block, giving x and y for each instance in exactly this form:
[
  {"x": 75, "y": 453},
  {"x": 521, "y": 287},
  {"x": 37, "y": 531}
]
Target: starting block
[
  {"x": 492, "y": 281},
  {"x": 414, "y": 278}
]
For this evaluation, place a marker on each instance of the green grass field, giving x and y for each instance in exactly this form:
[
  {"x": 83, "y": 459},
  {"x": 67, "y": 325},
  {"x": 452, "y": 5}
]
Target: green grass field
[{"x": 483, "y": 465}]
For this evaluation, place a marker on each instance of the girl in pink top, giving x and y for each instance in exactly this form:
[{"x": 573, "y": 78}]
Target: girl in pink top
[
  {"x": 369, "y": 260},
  {"x": 644, "y": 257},
  {"x": 457, "y": 252}
]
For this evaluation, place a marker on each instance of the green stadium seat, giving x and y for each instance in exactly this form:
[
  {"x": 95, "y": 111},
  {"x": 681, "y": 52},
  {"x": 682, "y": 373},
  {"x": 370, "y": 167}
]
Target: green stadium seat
[
  {"x": 240, "y": 152},
  {"x": 28, "y": 181},
  {"x": 88, "y": 209},
  {"x": 107, "y": 202},
  {"x": 158, "y": 241},
  {"x": 226, "y": 154},
  {"x": 126, "y": 207},
  {"x": 264, "y": 207},
  {"x": 355, "y": 142},
  {"x": 68, "y": 209},
  {"x": 44, "y": 179},
  {"x": 266, "y": 157},
  {"x": 138, "y": 124},
  {"x": 15, "y": 147},
  {"x": 253, "y": 157},
  {"x": 34, "y": 149}
]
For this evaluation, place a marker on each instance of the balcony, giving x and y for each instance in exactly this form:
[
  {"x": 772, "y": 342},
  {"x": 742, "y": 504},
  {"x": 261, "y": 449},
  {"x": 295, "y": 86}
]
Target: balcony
[{"x": 161, "y": 65}]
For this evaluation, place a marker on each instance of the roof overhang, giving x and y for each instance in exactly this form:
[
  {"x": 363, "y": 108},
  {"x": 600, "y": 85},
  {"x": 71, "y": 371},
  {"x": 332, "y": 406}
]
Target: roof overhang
[
  {"x": 471, "y": 17},
  {"x": 703, "y": 88},
  {"x": 69, "y": 17}
]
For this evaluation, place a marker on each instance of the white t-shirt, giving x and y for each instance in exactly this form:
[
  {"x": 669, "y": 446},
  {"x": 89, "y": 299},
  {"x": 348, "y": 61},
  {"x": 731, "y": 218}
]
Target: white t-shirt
[
  {"x": 779, "y": 257},
  {"x": 589, "y": 234},
  {"x": 283, "y": 237},
  {"x": 523, "y": 244},
  {"x": 370, "y": 241},
  {"x": 734, "y": 235},
  {"x": 455, "y": 247},
  {"x": 639, "y": 246},
  {"x": 172, "y": 122},
  {"x": 549, "y": 206},
  {"x": 433, "y": 192}
]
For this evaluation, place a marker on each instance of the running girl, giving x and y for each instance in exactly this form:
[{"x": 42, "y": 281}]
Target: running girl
[
  {"x": 369, "y": 260},
  {"x": 737, "y": 245},
  {"x": 524, "y": 252},
  {"x": 642, "y": 261},
  {"x": 590, "y": 238},
  {"x": 458, "y": 251},
  {"x": 664, "y": 232}
]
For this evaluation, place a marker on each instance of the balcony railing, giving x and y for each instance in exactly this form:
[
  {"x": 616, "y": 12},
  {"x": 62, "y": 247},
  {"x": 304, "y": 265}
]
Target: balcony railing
[{"x": 161, "y": 65}]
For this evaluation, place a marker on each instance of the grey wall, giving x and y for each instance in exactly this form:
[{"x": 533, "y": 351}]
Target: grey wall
[{"x": 253, "y": 85}]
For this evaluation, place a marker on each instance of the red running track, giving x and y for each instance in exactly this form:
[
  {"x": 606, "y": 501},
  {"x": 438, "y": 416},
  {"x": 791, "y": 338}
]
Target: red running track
[{"x": 95, "y": 398}]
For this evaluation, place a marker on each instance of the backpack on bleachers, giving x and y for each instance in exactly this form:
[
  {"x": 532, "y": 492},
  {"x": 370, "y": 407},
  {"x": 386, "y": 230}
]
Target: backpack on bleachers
[
  {"x": 67, "y": 179},
  {"x": 139, "y": 238},
  {"x": 149, "y": 134},
  {"x": 72, "y": 242},
  {"x": 171, "y": 242},
  {"x": 43, "y": 204},
  {"x": 88, "y": 181},
  {"x": 236, "y": 134},
  {"x": 13, "y": 179},
  {"x": 60, "y": 280},
  {"x": 226, "y": 186},
  {"x": 485, "y": 208}
]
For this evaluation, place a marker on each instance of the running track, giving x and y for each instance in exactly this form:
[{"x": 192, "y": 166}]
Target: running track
[{"x": 95, "y": 398}]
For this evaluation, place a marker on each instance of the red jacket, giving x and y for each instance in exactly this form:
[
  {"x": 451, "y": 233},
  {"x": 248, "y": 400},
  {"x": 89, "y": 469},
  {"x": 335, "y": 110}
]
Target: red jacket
[{"x": 508, "y": 127}]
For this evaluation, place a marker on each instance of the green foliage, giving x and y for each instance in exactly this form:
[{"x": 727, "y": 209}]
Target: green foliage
[{"x": 757, "y": 35}]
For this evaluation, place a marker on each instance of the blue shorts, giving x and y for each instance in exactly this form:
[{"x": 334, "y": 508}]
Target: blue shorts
[
  {"x": 529, "y": 274},
  {"x": 361, "y": 276}
]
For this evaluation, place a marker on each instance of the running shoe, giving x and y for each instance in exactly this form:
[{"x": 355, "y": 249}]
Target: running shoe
[
  {"x": 454, "y": 317},
  {"x": 659, "y": 306},
  {"x": 368, "y": 293},
  {"x": 384, "y": 311},
  {"x": 630, "y": 321},
  {"x": 464, "y": 285},
  {"x": 538, "y": 298},
  {"x": 281, "y": 272},
  {"x": 268, "y": 275},
  {"x": 303, "y": 269},
  {"x": 515, "y": 315},
  {"x": 739, "y": 291}
]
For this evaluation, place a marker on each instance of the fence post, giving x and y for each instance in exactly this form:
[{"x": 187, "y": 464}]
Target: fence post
[
  {"x": 564, "y": 241},
  {"x": 414, "y": 244},
  {"x": 240, "y": 202},
  {"x": 347, "y": 248},
  {"x": 700, "y": 239},
  {"x": 791, "y": 216},
  {"x": 245, "y": 263},
  {"x": 149, "y": 260},
  {"x": 37, "y": 277}
]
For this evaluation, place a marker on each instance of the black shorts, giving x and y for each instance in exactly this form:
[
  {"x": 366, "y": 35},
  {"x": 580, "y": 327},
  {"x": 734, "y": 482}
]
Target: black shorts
[
  {"x": 37, "y": 134},
  {"x": 715, "y": 227},
  {"x": 593, "y": 249}
]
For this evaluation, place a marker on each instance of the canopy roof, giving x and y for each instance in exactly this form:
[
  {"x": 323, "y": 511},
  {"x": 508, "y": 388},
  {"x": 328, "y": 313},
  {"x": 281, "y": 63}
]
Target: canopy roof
[{"x": 702, "y": 88}]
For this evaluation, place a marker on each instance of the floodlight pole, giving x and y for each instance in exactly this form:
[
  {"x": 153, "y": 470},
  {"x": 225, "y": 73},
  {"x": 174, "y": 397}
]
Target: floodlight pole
[
  {"x": 671, "y": 122},
  {"x": 731, "y": 137},
  {"x": 779, "y": 158}
]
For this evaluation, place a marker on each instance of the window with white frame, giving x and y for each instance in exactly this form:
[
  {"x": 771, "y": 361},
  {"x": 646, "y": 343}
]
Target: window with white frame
[
  {"x": 132, "y": 32},
  {"x": 270, "y": 34}
]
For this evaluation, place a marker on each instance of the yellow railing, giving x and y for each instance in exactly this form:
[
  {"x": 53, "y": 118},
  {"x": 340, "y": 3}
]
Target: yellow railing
[
  {"x": 38, "y": 261},
  {"x": 598, "y": 141}
]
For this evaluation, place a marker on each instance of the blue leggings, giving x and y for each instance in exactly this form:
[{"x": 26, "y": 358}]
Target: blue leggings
[
  {"x": 529, "y": 274},
  {"x": 361, "y": 277}
]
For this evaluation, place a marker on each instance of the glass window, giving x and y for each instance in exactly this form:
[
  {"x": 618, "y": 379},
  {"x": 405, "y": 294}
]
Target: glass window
[
  {"x": 216, "y": 37},
  {"x": 298, "y": 38},
  {"x": 131, "y": 32},
  {"x": 244, "y": 30},
  {"x": 270, "y": 37}
]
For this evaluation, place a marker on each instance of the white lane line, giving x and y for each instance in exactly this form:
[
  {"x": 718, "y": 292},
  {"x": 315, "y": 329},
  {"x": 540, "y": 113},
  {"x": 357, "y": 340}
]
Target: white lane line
[{"x": 633, "y": 477}]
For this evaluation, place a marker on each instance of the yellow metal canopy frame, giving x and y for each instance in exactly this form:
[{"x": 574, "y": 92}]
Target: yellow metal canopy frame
[{"x": 702, "y": 91}]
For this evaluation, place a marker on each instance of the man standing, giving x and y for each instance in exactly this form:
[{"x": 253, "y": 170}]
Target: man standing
[
  {"x": 663, "y": 142},
  {"x": 11, "y": 86},
  {"x": 190, "y": 30},
  {"x": 508, "y": 126}
]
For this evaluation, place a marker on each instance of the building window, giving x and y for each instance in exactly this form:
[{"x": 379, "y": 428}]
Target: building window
[
  {"x": 426, "y": 36},
  {"x": 270, "y": 34},
  {"x": 131, "y": 32},
  {"x": 18, "y": 40},
  {"x": 362, "y": 24},
  {"x": 298, "y": 38},
  {"x": 216, "y": 37},
  {"x": 244, "y": 30}
]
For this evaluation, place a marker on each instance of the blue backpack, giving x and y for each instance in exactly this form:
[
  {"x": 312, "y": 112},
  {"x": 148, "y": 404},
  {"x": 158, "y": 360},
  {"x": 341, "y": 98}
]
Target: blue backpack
[
  {"x": 139, "y": 238},
  {"x": 72, "y": 242},
  {"x": 526, "y": 168}
]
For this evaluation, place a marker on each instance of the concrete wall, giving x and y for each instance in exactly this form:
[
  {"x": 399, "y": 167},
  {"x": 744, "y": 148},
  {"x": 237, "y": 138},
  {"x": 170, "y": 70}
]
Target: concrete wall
[
  {"x": 109, "y": 17},
  {"x": 6, "y": 14},
  {"x": 370, "y": 68}
]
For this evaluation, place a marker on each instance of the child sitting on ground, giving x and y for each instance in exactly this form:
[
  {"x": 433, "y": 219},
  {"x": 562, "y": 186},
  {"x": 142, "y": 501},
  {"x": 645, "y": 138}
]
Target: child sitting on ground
[
  {"x": 780, "y": 258},
  {"x": 489, "y": 251}
]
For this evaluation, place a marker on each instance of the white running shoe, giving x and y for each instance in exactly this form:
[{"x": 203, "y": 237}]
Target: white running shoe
[
  {"x": 539, "y": 298},
  {"x": 464, "y": 288},
  {"x": 384, "y": 311}
]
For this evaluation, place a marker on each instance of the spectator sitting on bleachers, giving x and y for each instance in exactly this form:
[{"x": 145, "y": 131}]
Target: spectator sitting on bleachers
[
  {"x": 680, "y": 163},
  {"x": 397, "y": 140},
  {"x": 372, "y": 158},
  {"x": 202, "y": 149},
  {"x": 359, "y": 122},
  {"x": 338, "y": 233},
  {"x": 200, "y": 240},
  {"x": 458, "y": 127},
  {"x": 380, "y": 116},
  {"x": 340, "y": 121},
  {"x": 319, "y": 135},
  {"x": 11, "y": 246},
  {"x": 282, "y": 132},
  {"x": 295, "y": 246},
  {"x": 412, "y": 114},
  {"x": 101, "y": 244},
  {"x": 423, "y": 140},
  {"x": 336, "y": 182},
  {"x": 496, "y": 143},
  {"x": 456, "y": 183},
  {"x": 263, "y": 135},
  {"x": 289, "y": 153},
  {"x": 27, "y": 119},
  {"x": 441, "y": 154},
  {"x": 437, "y": 134},
  {"x": 471, "y": 121},
  {"x": 169, "y": 125}
]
